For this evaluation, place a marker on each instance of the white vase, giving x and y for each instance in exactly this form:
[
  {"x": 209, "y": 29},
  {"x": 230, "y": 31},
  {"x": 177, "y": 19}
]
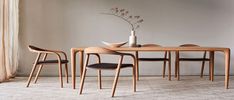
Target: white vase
[{"x": 132, "y": 39}]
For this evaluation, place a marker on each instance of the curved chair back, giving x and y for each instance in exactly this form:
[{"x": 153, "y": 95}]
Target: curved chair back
[
  {"x": 35, "y": 49},
  {"x": 99, "y": 50},
  {"x": 151, "y": 45},
  {"x": 189, "y": 45}
]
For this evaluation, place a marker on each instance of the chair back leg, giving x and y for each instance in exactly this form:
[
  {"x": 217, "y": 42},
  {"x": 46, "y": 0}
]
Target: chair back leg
[
  {"x": 164, "y": 68},
  {"x": 137, "y": 65},
  {"x": 99, "y": 74},
  {"x": 134, "y": 77},
  {"x": 202, "y": 68},
  {"x": 99, "y": 79},
  {"x": 66, "y": 72}
]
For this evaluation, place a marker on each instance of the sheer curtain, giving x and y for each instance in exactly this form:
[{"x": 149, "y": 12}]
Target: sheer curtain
[{"x": 8, "y": 38}]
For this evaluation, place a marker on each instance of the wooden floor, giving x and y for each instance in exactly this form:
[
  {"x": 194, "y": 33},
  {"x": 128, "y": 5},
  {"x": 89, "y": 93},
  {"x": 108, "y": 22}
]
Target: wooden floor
[{"x": 148, "y": 88}]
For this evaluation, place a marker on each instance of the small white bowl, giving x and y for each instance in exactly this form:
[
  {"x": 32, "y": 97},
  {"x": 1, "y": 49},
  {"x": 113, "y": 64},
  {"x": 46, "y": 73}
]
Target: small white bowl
[{"x": 114, "y": 45}]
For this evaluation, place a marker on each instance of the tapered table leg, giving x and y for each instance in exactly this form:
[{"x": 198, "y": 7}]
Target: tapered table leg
[
  {"x": 73, "y": 68},
  {"x": 227, "y": 67}
]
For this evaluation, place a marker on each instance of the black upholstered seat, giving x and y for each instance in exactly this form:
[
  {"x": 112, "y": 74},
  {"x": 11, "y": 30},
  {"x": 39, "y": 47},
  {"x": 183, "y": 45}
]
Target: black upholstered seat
[
  {"x": 194, "y": 59},
  {"x": 108, "y": 66},
  {"x": 51, "y": 61},
  {"x": 152, "y": 59}
]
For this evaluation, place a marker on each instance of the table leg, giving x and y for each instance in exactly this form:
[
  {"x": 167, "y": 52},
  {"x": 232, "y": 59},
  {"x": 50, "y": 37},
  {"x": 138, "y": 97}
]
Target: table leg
[
  {"x": 73, "y": 68},
  {"x": 227, "y": 67},
  {"x": 81, "y": 63}
]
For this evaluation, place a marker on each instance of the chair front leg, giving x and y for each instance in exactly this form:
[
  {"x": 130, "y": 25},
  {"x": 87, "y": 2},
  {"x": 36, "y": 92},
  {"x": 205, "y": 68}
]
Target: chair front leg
[
  {"x": 33, "y": 69},
  {"x": 84, "y": 74},
  {"x": 116, "y": 76},
  {"x": 115, "y": 82},
  {"x": 82, "y": 80},
  {"x": 39, "y": 70}
]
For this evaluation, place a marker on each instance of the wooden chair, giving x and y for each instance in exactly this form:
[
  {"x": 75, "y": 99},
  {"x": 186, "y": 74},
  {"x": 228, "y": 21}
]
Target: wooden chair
[
  {"x": 106, "y": 66},
  {"x": 164, "y": 59},
  {"x": 45, "y": 52},
  {"x": 178, "y": 59}
]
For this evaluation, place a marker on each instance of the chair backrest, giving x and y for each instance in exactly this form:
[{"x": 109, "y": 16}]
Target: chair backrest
[
  {"x": 35, "y": 49},
  {"x": 100, "y": 50},
  {"x": 154, "y": 45},
  {"x": 189, "y": 45},
  {"x": 192, "y": 45},
  {"x": 151, "y": 45}
]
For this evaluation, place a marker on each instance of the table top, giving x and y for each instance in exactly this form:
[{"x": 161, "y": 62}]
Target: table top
[{"x": 161, "y": 48}]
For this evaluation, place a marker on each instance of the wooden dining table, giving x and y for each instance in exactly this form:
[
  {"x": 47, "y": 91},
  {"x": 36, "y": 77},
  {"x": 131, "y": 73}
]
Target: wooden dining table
[{"x": 212, "y": 51}]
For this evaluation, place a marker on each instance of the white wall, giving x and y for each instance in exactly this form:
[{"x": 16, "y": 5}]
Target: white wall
[{"x": 63, "y": 24}]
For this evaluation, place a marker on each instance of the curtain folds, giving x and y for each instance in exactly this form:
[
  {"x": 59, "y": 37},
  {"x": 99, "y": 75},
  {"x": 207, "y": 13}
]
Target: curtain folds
[{"x": 9, "y": 24}]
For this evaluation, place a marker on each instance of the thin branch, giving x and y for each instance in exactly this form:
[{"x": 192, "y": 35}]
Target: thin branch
[{"x": 121, "y": 18}]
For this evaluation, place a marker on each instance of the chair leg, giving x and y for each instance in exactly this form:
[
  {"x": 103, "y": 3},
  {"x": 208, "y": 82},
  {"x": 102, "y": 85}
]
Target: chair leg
[
  {"x": 176, "y": 67},
  {"x": 99, "y": 79},
  {"x": 175, "y": 71},
  {"x": 137, "y": 66},
  {"x": 82, "y": 80},
  {"x": 134, "y": 78},
  {"x": 60, "y": 75},
  {"x": 31, "y": 74},
  {"x": 178, "y": 71},
  {"x": 176, "y": 61},
  {"x": 169, "y": 70},
  {"x": 38, "y": 72},
  {"x": 115, "y": 82},
  {"x": 211, "y": 65},
  {"x": 164, "y": 68},
  {"x": 202, "y": 68},
  {"x": 66, "y": 72}
]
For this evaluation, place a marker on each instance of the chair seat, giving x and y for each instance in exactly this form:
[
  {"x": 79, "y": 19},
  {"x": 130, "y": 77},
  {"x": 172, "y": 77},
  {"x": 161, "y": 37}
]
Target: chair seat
[
  {"x": 51, "y": 61},
  {"x": 152, "y": 59},
  {"x": 108, "y": 66},
  {"x": 193, "y": 59}
]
